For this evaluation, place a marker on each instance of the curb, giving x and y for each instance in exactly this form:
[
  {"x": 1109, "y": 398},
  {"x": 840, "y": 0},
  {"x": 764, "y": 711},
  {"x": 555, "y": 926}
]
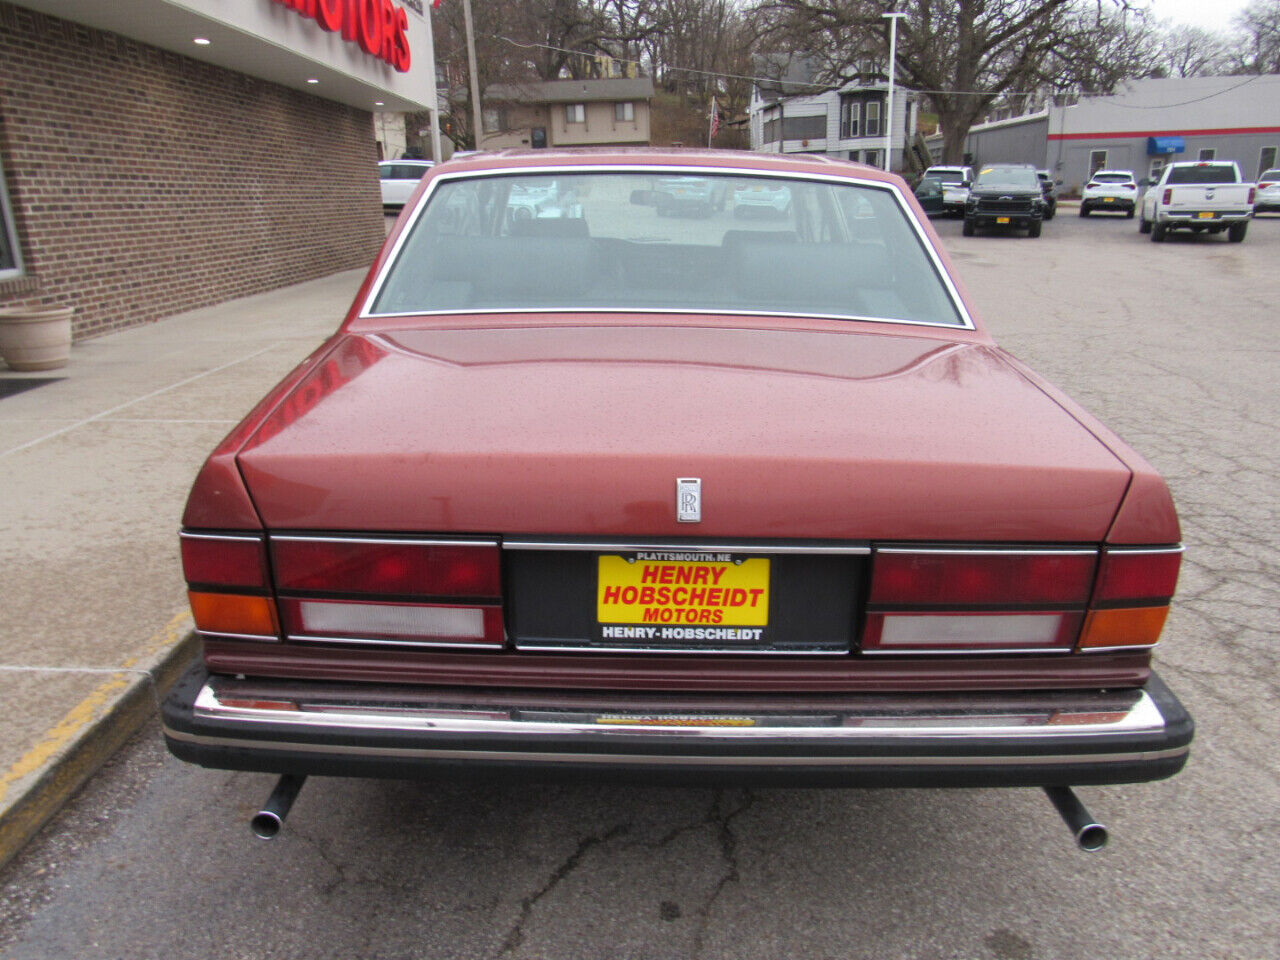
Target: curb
[{"x": 35, "y": 802}]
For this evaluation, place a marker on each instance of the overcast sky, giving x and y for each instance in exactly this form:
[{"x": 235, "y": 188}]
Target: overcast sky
[{"x": 1211, "y": 16}]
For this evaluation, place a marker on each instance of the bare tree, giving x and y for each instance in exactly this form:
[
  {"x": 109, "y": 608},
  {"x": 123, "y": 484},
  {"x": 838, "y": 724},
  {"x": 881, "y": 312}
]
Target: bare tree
[
  {"x": 1259, "y": 23},
  {"x": 1188, "y": 51},
  {"x": 965, "y": 55}
]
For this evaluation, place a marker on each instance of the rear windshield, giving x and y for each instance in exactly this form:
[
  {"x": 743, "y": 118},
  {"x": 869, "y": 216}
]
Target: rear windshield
[
  {"x": 1111, "y": 178},
  {"x": 666, "y": 241},
  {"x": 946, "y": 176},
  {"x": 1207, "y": 173},
  {"x": 1008, "y": 177},
  {"x": 1270, "y": 175}
]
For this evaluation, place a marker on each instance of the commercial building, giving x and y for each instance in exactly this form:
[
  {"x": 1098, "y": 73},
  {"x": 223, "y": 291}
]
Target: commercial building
[
  {"x": 1143, "y": 126},
  {"x": 567, "y": 113},
  {"x": 161, "y": 155}
]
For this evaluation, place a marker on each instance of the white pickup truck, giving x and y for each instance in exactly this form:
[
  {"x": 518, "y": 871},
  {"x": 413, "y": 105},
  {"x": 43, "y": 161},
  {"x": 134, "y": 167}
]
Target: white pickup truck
[{"x": 1207, "y": 195}]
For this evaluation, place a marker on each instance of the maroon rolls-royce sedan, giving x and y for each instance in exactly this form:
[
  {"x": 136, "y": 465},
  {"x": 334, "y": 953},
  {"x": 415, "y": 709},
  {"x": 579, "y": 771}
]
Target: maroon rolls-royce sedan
[{"x": 608, "y": 484}]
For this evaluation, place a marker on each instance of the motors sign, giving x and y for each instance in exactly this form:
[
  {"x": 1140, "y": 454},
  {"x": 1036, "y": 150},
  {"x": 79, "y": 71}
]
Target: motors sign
[{"x": 378, "y": 26}]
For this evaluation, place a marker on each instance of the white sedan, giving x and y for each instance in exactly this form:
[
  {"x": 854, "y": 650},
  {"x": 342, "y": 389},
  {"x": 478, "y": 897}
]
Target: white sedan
[{"x": 399, "y": 178}]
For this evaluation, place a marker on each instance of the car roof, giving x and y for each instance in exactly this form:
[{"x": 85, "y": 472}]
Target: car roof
[
  {"x": 1127, "y": 173},
  {"x": 745, "y": 160}
]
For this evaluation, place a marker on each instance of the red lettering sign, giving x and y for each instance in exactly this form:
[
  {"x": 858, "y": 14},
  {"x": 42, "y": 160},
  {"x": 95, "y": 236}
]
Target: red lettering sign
[{"x": 378, "y": 26}]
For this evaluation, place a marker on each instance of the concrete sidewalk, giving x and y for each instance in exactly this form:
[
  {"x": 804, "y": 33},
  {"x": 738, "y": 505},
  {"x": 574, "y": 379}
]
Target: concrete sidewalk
[{"x": 95, "y": 468}]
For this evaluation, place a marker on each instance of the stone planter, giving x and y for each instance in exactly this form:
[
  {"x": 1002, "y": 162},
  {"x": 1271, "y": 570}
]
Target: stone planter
[{"x": 35, "y": 338}]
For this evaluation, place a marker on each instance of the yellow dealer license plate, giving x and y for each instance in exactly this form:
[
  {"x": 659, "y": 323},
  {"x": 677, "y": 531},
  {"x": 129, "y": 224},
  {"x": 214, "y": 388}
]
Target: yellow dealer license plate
[
  {"x": 654, "y": 596},
  {"x": 1108, "y": 199},
  {"x": 1205, "y": 215},
  {"x": 1002, "y": 219}
]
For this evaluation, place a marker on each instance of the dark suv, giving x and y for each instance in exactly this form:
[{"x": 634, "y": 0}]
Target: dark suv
[{"x": 1005, "y": 195}]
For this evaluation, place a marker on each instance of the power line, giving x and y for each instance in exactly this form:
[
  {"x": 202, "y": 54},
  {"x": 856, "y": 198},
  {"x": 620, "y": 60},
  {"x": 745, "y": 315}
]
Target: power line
[{"x": 762, "y": 80}]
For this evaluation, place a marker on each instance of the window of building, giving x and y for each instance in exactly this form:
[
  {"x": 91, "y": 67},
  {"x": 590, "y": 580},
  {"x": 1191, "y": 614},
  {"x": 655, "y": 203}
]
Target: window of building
[
  {"x": 804, "y": 128},
  {"x": 491, "y": 117},
  {"x": 1266, "y": 159},
  {"x": 1208, "y": 153},
  {"x": 1156, "y": 168},
  {"x": 1097, "y": 161},
  {"x": 850, "y": 117},
  {"x": 624, "y": 112},
  {"x": 575, "y": 113},
  {"x": 873, "y": 118},
  {"x": 10, "y": 255},
  {"x": 871, "y": 158}
]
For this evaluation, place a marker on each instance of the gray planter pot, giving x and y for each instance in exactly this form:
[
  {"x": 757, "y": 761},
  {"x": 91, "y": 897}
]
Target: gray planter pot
[{"x": 35, "y": 338}]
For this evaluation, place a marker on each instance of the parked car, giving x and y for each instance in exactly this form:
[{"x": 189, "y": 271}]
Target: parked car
[
  {"x": 929, "y": 193},
  {"x": 399, "y": 178},
  {"x": 1050, "y": 192},
  {"x": 955, "y": 185},
  {"x": 1006, "y": 195},
  {"x": 655, "y": 500},
  {"x": 1204, "y": 196},
  {"x": 761, "y": 197},
  {"x": 694, "y": 196},
  {"x": 1268, "y": 198},
  {"x": 1112, "y": 190}
]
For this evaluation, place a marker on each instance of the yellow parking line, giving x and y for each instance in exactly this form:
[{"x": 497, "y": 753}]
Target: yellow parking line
[{"x": 90, "y": 708}]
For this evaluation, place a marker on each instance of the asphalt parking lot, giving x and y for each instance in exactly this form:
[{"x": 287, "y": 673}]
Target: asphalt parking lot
[{"x": 1174, "y": 346}]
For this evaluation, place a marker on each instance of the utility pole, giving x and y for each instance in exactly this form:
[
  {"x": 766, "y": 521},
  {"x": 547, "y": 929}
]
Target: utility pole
[
  {"x": 435, "y": 93},
  {"x": 476, "y": 117},
  {"x": 893, "y": 56}
]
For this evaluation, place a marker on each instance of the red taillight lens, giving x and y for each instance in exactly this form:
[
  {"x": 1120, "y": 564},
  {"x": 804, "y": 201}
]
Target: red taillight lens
[
  {"x": 930, "y": 578},
  {"x": 1131, "y": 186},
  {"x": 1252, "y": 193},
  {"x": 1091, "y": 186},
  {"x": 224, "y": 560},
  {"x": 1137, "y": 576},
  {"x": 390, "y": 567},
  {"x": 1168, "y": 195},
  {"x": 1265, "y": 184}
]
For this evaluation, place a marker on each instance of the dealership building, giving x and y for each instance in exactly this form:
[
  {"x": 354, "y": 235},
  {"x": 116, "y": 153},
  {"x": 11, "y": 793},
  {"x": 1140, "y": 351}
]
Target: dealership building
[
  {"x": 1143, "y": 126},
  {"x": 161, "y": 155}
]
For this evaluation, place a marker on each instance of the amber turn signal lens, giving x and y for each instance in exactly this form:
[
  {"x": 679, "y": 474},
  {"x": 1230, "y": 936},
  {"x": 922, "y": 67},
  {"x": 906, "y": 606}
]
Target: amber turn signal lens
[
  {"x": 233, "y": 613},
  {"x": 1124, "y": 627}
]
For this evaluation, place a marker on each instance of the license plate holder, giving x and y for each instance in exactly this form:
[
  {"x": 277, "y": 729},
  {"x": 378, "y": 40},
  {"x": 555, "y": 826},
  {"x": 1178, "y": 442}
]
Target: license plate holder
[{"x": 683, "y": 600}]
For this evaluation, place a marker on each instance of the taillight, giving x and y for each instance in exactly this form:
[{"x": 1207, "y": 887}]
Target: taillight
[
  {"x": 228, "y": 585},
  {"x": 1168, "y": 195},
  {"x": 943, "y": 600},
  {"x": 1091, "y": 186},
  {"x": 1265, "y": 184},
  {"x": 1252, "y": 193},
  {"x": 1131, "y": 186},
  {"x": 376, "y": 590},
  {"x": 1131, "y": 597}
]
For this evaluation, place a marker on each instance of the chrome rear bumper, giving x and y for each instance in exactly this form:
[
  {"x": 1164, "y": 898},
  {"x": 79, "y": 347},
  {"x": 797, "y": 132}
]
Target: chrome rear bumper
[{"x": 1040, "y": 738}]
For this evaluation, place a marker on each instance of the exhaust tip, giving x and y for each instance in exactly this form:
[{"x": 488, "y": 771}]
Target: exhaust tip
[
  {"x": 1092, "y": 837},
  {"x": 265, "y": 825}
]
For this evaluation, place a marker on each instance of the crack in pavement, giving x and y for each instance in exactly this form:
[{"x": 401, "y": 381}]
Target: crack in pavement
[{"x": 516, "y": 935}]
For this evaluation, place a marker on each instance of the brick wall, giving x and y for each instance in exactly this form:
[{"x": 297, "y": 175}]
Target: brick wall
[{"x": 145, "y": 183}]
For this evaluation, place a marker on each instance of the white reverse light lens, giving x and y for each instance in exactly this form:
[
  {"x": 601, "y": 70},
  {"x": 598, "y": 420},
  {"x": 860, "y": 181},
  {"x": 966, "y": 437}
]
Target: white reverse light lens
[
  {"x": 391, "y": 620},
  {"x": 1010, "y": 630}
]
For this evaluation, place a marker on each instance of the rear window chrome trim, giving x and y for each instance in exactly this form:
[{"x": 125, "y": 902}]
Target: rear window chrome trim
[
  {"x": 236, "y": 537},
  {"x": 993, "y": 551},
  {"x": 930, "y": 251}
]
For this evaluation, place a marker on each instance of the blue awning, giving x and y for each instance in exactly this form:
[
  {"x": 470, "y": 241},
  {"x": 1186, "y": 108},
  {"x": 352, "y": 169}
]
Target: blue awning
[{"x": 1159, "y": 145}]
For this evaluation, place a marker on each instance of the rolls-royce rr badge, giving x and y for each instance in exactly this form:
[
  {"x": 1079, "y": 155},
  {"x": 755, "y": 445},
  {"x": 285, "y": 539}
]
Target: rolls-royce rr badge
[{"x": 689, "y": 499}]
